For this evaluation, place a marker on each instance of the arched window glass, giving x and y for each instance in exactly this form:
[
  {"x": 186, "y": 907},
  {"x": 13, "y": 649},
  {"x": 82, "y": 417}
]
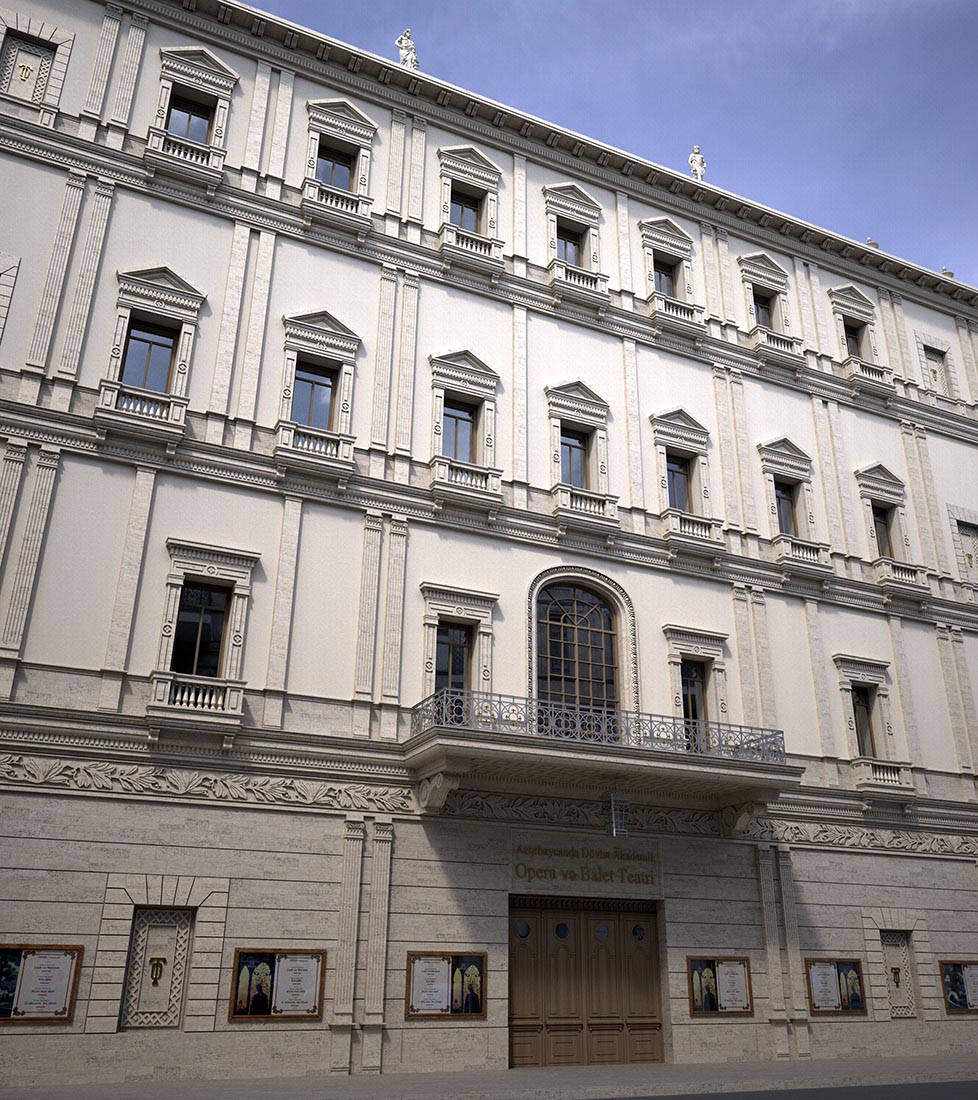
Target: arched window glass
[{"x": 577, "y": 648}]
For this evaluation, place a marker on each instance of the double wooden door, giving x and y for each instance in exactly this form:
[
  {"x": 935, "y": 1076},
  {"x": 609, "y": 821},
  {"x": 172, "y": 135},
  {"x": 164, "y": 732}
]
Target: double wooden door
[{"x": 583, "y": 983}]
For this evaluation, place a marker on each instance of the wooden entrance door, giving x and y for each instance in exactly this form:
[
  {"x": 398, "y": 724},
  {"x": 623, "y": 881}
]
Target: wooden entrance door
[{"x": 583, "y": 983}]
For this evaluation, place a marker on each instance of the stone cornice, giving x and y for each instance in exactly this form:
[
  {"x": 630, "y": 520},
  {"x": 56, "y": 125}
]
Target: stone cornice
[{"x": 389, "y": 83}]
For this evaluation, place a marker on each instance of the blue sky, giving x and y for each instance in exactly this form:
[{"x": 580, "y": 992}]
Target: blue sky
[{"x": 858, "y": 115}]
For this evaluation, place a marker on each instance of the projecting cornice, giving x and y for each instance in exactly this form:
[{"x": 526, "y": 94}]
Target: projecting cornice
[{"x": 300, "y": 46}]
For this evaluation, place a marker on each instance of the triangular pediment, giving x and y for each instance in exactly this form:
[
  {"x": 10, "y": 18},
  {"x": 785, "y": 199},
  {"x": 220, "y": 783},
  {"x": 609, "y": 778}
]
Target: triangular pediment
[
  {"x": 570, "y": 192},
  {"x": 664, "y": 227},
  {"x": 162, "y": 277},
  {"x": 576, "y": 391},
  {"x": 200, "y": 58},
  {"x": 761, "y": 261},
  {"x": 784, "y": 446},
  {"x": 680, "y": 419},
  {"x": 464, "y": 360},
  {"x": 322, "y": 320},
  {"x": 472, "y": 156},
  {"x": 879, "y": 473},
  {"x": 852, "y": 294},
  {"x": 342, "y": 108}
]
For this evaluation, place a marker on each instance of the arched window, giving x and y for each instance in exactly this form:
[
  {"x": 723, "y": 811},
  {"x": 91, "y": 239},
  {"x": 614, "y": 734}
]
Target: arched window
[{"x": 577, "y": 648}]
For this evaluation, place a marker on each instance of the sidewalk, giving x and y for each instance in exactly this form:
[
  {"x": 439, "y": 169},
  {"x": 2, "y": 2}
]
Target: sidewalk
[{"x": 563, "y": 1083}]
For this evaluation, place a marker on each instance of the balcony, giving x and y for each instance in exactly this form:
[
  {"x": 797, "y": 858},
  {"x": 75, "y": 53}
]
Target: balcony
[
  {"x": 684, "y": 531},
  {"x": 465, "y": 483},
  {"x": 797, "y": 555},
  {"x": 883, "y": 779},
  {"x": 500, "y": 738},
  {"x": 776, "y": 347},
  {"x": 577, "y": 285},
  {"x": 143, "y": 414},
  {"x": 313, "y": 450},
  {"x": 676, "y": 316},
  {"x": 460, "y": 248},
  {"x": 335, "y": 207},
  {"x": 869, "y": 377},
  {"x": 581, "y": 507},
  {"x": 204, "y": 704},
  {"x": 899, "y": 575},
  {"x": 185, "y": 159}
]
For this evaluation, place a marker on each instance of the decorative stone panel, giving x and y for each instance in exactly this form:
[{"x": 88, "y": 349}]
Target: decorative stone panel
[{"x": 159, "y": 956}]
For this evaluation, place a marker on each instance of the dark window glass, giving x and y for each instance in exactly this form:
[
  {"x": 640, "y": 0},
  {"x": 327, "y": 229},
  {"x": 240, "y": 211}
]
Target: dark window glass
[
  {"x": 334, "y": 167},
  {"x": 312, "y": 397},
  {"x": 693, "y": 678},
  {"x": 569, "y": 246},
  {"x": 763, "y": 310},
  {"x": 465, "y": 212},
  {"x": 573, "y": 458},
  {"x": 862, "y": 712},
  {"x": 458, "y": 430},
  {"x": 665, "y": 279},
  {"x": 784, "y": 498},
  {"x": 853, "y": 340},
  {"x": 677, "y": 481},
  {"x": 881, "y": 527},
  {"x": 200, "y": 628},
  {"x": 149, "y": 353},
  {"x": 576, "y": 648},
  {"x": 452, "y": 658},
  {"x": 189, "y": 120}
]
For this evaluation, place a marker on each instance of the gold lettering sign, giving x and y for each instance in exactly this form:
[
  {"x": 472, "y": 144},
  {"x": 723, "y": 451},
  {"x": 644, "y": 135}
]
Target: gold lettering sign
[
  {"x": 156, "y": 965},
  {"x": 25, "y": 71}
]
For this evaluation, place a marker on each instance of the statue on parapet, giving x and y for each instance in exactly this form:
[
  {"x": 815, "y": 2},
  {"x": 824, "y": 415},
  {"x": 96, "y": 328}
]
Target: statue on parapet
[
  {"x": 697, "y": 163},
  {"x": 409, "y": 52}
]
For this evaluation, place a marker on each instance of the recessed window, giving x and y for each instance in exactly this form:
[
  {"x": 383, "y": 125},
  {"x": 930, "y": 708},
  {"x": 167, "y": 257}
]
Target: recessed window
[
  {"x": 883, "y": 529},
  {"x": 334, "y": 167},
  {"x": 577, "y": 662},
  {"x": 458, "y": 431},
  {"x": 764, "y": 309},
  {"x": 665, "y": 278},
  {"x": 149, "y": 357},
  {"x": 692, "y": 676},
  {"x": 200, "y": 629},
  {"x": 464, "y": 211},
  {"x": 312, "y": 400},
  {"x": 854, "y": 338},
  {"x": 569, "y": 245},
  {"x": 936, "y": 362},
  {"x": 189, "y": 119},
  {"x": 573, "y": 458},
  {"x": 452, "y": 655},
  {"x": 863, "y": 699},
  {"x": 677, "y": 480},
  {"x": 784, "y": 500}
]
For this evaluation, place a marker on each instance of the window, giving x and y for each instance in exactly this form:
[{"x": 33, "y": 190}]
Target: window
[
  {"x": 187, "y": 119},
  {"x": 693, "y": 679},
  {"x": 577, "y": 662},
  {"x": 698, "y": 679},
  {"x": 312, "y": 398},
  {"x": 677, "y": 475},
  {"x": 573, "y": 219},
  {"x": 458, "y": 431},
  {"x": 764, "y": 309},
  {"x": 199, "y": 632},
  {"x": 854, "y": 338},
  {"x": 568, "y": 245},
  {"x": 882, "y": 529},
  {"x": 573, "y": 458},
  {"x": 452, "y": 655},
  {"x": 464, "y": 211},
  {"x": 149, "y": 357},
  {"x": 665, "y": 279},
  {"x": 863, "y": 697},
  {"x": 784, "y": 499},
  {"x": 334, "y": 167}
]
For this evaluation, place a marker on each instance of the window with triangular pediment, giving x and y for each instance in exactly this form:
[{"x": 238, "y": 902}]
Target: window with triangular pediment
[{"x": 317, "y": 390}]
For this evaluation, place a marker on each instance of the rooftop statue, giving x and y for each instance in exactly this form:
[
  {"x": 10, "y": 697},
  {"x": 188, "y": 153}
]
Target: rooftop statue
[
  {"x": 697, "y": 163},
  {"x": 409, "y": 52}
]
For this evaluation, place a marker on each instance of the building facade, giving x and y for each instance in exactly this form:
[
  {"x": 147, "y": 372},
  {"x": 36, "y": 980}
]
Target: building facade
[{"x": 469, "y": 597}]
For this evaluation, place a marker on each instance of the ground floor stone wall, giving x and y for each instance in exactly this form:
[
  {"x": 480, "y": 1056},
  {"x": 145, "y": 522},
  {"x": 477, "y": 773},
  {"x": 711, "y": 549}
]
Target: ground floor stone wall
[{"x": 368, "y": 887}]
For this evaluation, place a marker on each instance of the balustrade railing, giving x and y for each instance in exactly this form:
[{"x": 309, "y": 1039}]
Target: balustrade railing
[
  {"x": 777, "y": 341},
  {"x": 856, "y": 368},
  {"x": 691, "y": 526},
  {"x": 581, "y": 502},
  {"x": 662, "y": 305},
  {"x": 530, "y": 717},
  {"x": 313, "y": 443},
  {"x": 790, "y": 548},
  {"x": 889, "y": 570},
  {"x": 578, "y": 278},
  {"x": 129, "y": 403}
]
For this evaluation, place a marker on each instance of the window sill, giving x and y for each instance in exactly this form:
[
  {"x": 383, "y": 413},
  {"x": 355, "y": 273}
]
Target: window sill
[
  {"x": 461, "y": 248},
  {"x": 314, "y": 450},
  {"x": 582, "y": 507},
  {"x": 466, "y": 483},
  {"x": 683, "y": 529},
  {"x": 674, "y": 314},
  {"x": 187, "y": 160},
  {"x": 799, "y": 555},
  {"x": 143, "y": 414},
  {"x": 333, "y": 206},
  {"x": 204, "y": 704},
  {"x": 868, "y": 376},
  {"x": 883, "y": 779},
  {"x": 768, "y": 343},
  {"x": 898, "y": 574},
  {"x": 576, "y": 284}
]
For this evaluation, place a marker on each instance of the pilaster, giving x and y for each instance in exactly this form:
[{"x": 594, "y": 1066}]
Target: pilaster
[
  {"x": 747, "y": 660},
  {"x": 823, "y": 690},
  {"x": 395, "y": 171},
  {"x": 280, "y": 134},
  {"x": 745, "y": 458},
  {"x": 727, "y": 447},
  {"x": 254, "y": 341},
  {"x": 346, "y": 946},
  {"x": 11, "y": 471},
  {"x": 383, "y": 363},
  {"x": 518, "y": 431},
  {"x": 624, "y": 248},
  {"x": 251, "y": 161},
  {"x": 772, "y": 949},
  {"x": 228, "y": 334},
  {"x": 367, "y": 625},
  {"x": 281, "y": 632},
  {"x": 795, "y": 975},
  {"x": 519, "y": 215},
  {"x": 104, "y": 52},
  {"x": 955, "y": 702},
  {"x": 381, "y": 849},
  {"x": 405, "y": 373},
  {"x": 394, "y": 610},
  {"x": 415, "y": 214},
  {"x": 135, "y": 41}
]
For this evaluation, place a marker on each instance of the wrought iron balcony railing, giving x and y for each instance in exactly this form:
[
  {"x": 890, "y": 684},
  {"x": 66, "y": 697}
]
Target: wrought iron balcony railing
[{"x": 476, "y": 710}]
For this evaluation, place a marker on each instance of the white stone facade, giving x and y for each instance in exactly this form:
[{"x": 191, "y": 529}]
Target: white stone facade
[{"x": 762, "y": 462}]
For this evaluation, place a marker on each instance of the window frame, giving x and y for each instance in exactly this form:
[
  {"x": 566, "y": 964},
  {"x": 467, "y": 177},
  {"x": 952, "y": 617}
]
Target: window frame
[
  {"x": 574, "y": 407},
  {"x": 946, "y": 385},
  {"x": 194, "y": 582},
  {"x": 880, "y": 489},
  {"x": 854, "y": 312},
  {"x": 319, "y": 340},
  {"x": 446, "y": 605},
  {"x": 705, "y": 647},
  {"x": 324, "y": 369},
  {"x": 863, "y": 672},
  {"x": 665, "y": 243},
  {"x": 762, "y": 277},
  {"x": 199, "y": 72},
  {"x": 180, "y": 101},
  {"x": 465, "y": 170},
  {"x": 579, "y": 651},
  {"x": 677, "y": 434},
  {"x": 785, "y": 463},
  {"x": 463, "y": 378},
  {"x": 338, "y": 125},
  {"x": 572, "y": 208},
  {"x": 338, "y": 156},
  {"x": 149, "y": 328}
]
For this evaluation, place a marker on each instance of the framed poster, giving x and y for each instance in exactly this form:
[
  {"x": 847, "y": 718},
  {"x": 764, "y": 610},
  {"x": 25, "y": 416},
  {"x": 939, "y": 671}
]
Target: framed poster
[
  {"x": 277, "y": 984},
  {"x": 38, "y": 982},
  {"x": 719, "y": 986},
  {"x": 835, "y": 987},
  {"x": 440, "y": 984},
  {"x": 959, "y": 980}
]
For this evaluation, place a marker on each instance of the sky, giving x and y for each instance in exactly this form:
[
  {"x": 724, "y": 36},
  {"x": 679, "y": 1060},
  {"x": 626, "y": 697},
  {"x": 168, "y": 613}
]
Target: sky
[{"x": 860, "y": 116}]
